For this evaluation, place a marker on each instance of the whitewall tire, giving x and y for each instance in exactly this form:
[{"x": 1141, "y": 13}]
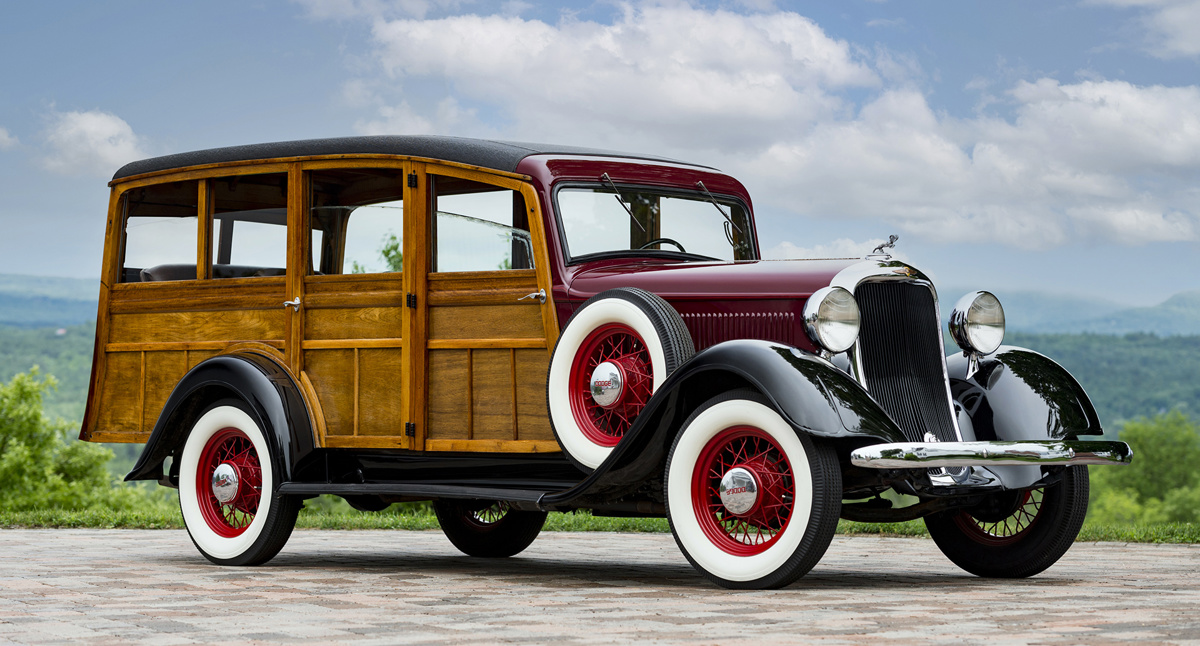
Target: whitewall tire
[
  {"x": 227, "y": 489},
  {"x": 635, "y": 340},
  {"x": 762, "y": 533}
]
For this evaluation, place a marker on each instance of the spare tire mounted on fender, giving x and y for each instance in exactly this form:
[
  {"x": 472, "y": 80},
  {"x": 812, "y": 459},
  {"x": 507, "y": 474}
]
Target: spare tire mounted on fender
[{"x": 612, "y": 355}]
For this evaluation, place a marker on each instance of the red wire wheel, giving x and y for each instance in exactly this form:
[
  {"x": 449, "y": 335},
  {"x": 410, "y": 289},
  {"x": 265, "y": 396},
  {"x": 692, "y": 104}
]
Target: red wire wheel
[
  {"x": 620, "y": 345},
  {"x": 232, "y": 447},
  {"x": 1008, "y": 530},
  {"x": 755, "y": 530}
]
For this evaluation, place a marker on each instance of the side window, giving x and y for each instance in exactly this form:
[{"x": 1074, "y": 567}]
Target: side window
[
  {"x": 357, "y": 221},
  {"x": 478, "y": 227},
  {"x": 249, "y": 226},
  {"x": 160, "y": 233}
]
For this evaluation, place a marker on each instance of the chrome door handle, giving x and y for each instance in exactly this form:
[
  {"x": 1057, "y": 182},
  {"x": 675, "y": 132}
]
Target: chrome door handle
[
  {"x": 294, "y": 304},
  {"x": 539, "y": 294}
]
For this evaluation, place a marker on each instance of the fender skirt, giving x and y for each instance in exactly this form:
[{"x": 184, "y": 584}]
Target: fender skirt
[
  {"x": 811, "y": 394},
  {"x": 273, "y": 398}
]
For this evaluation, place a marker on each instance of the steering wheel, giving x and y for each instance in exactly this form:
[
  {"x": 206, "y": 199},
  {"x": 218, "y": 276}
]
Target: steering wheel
[{"x": 662, "y": 240}]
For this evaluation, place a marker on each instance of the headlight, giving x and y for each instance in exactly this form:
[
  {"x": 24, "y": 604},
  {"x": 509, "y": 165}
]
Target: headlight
[
  {"x": 977, "y": 323},
  {"x": 831, "y": 319}
]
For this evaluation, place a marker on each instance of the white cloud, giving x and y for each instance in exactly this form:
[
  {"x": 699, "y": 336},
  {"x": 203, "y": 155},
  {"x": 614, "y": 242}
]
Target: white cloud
[
  {"x": 92, "y": 142},
  {"x": 840, "y": 248},
  {"x": 1172, "y": 27},
  {"x": 775, "y": 100},
  {"x": 658, "y": 72},
  {"x": 7, "y": 140}
]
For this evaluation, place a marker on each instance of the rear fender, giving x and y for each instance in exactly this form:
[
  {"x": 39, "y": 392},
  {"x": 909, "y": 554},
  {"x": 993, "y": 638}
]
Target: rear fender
[{"x": 273, "y": 398}]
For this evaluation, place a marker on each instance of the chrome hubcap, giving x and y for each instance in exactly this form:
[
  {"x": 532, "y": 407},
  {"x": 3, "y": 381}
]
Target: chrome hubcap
[
  {"x": 606, "y": 384},
  {"x": 225, "y": 482},
  {"x": 739, "y": 491}
]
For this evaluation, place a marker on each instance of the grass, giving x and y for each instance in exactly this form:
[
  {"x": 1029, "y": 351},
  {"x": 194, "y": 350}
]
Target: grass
[{"x": 421, "y": 518}]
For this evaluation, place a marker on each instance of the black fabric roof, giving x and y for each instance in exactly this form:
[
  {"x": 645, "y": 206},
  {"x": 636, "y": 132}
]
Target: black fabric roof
[{"x": 497, "y": 155}]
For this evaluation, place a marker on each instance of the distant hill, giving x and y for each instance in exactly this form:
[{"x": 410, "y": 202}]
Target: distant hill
[
  {"x": 40, "y": 301},
  {"x": 1043, "y": 313}
]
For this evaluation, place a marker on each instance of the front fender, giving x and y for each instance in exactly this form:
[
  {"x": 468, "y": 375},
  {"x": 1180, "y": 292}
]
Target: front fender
[
  {"x": 1018, "y": 394},
  {"x": 275, "y": 402},
  {"x": 811, "y": 394}
]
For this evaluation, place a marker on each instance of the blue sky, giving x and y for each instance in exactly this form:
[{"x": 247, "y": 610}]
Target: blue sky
[{"x": 1048, "y": 146}]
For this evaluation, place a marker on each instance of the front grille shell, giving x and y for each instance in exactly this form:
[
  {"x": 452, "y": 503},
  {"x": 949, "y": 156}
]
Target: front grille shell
[{"x": 901, "y": 357}]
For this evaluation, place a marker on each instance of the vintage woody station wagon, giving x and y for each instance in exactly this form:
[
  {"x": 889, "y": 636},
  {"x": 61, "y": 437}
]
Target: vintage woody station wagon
[{"x": 510, "y": 329}]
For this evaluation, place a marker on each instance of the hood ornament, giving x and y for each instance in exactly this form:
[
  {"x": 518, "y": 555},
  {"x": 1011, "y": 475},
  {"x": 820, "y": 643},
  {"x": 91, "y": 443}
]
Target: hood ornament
[{"x": 879, "y": 251}]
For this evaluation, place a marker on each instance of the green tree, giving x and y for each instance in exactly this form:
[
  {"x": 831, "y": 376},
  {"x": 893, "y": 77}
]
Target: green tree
[
  {"x": 1161, "y": 484},
  {"x": 39, "y": 467}
]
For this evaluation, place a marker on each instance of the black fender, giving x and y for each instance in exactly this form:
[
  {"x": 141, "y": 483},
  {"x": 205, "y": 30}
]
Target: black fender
[
  {"x": 273, "y": 398},
  {"x": 1018, "y": 394},
  {"x": 811, "y": 394}
]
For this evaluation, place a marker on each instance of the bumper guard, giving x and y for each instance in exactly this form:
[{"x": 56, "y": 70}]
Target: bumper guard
[{"x": 915, "y": 455}]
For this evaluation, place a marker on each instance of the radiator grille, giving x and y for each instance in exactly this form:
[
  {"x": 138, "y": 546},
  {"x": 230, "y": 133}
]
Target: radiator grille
[
  {"x": 711, "y": 329},
  {"x": 902, "y": 357}
]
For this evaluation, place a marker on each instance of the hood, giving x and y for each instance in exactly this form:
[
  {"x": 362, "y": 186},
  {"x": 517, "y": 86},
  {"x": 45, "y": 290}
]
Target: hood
[{"x": 756, "y": 279}]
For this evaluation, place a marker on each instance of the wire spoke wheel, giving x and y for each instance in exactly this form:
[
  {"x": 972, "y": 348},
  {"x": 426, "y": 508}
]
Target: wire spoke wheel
[
  {"x": 1015, "y": 533},
  {"x": 751, "y": 449},
  {"x": 490, "y": 529},
  {"x": 233, "y": 449},
  {"x": 619, "y": 346}
]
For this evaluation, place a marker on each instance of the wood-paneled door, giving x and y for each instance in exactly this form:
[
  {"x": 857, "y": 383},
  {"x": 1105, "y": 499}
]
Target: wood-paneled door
[
  {"x": 353, "y": 317},
  {"x": 489, "y": 321}
]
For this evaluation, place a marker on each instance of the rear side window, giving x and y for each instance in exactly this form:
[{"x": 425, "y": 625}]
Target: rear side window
[
  {"x": 357, "y": 220},
  {"x": 249, "y": 226},
  {"x": 160, "y": 235}
]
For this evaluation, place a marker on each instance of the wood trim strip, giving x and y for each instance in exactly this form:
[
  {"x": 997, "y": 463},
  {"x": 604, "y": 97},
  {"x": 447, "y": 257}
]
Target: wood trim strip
[
  {"x": 494, "y": 446},
  {"x": 119, "y": 438},
  {"x": 356, "y": 396},
  {"x": 166, "y": 346},
  {"x": 317, "y": 412},
  {"x": 470, "y": 394},
  {"x": 204, "y": 239},
  {"x": 397, "y": 441},
  {"x": 507, "y": 297},
  {"x": 309, "y": 162},
  {"x": 485, "y": 344},
  {"x": 321, "y": 301},
  {"x": 512, "y": 372},
  {"x": 346, "y": 344},
  {"x": 142, "y": 394}
]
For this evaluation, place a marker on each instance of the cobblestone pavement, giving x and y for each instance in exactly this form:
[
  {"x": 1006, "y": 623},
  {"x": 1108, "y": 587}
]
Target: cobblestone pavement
[{"x": 124, "y": 586}]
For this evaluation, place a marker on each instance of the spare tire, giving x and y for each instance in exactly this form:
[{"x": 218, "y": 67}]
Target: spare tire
[{"x": 612, "y": 355}]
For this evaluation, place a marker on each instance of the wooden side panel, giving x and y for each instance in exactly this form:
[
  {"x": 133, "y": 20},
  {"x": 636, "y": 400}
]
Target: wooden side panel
[
  {"x": 491, "y": 395},
  {"x": 163, "y": 371},
  {"x": 354, "y": 323},
  {"x": 533, "y": 420},
  {"x": 331, "y": 373},
  {"x": 121, "y": 396},
  {"x": 449, "y": 380},
  {"x": 485, "y": 322},
  {"x": 380, "y": 393},
  {"x": 179, "y": 327}
]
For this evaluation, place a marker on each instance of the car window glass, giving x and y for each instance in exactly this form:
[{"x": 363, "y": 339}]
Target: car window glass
[
  {"x": 479, "y": 227},
  {"x": 594, "y": 221},
  {"x": 160, "y": 233},
  {"x": 357, "y": 221},
  {"x": 249, "y": 226}
]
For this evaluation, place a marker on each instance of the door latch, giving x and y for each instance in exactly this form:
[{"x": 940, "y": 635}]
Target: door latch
[
  {"x": 294, "y": 304},
  {"x": 540, "y": 295}
]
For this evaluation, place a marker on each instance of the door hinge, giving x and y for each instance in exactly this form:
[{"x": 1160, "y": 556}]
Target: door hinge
[
  {"x": 410, "y": 429},
  {"x": 411, "y": 300},
  {"x": 412, "y": 180}
]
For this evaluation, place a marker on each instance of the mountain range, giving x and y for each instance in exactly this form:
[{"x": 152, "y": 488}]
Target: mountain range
[{"x": 40, "y": 301}]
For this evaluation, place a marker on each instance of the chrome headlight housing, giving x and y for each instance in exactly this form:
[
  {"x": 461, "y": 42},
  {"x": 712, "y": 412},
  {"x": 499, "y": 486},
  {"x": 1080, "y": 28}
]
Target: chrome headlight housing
[
  {"x": 977, "y": 323},
  {"x": 831, "y": 319}
]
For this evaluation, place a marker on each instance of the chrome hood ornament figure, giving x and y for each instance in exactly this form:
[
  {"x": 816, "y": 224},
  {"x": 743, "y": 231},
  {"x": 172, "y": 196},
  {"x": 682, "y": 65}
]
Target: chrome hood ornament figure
[{"x": 879, "y": 251}]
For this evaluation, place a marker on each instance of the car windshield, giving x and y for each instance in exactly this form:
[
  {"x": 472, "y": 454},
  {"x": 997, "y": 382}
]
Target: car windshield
[{"x": 653, "y": 221}]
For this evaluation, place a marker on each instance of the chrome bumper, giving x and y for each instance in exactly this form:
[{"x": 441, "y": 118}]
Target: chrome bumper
[{"x": 913, "y": 455}]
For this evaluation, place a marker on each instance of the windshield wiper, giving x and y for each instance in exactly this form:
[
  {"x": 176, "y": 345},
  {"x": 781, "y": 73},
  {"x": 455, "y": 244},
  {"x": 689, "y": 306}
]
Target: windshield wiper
[
  {"x": 719, "y": 209},
  {"x": 605, "y": 178}
]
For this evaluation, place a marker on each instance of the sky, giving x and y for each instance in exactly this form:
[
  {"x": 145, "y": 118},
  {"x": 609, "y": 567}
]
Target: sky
[{"x": 1026, "y": 145}]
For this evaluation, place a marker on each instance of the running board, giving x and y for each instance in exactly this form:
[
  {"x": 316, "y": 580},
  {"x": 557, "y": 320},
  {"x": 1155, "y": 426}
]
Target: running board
[
  {"x": 415, "y": 490},
  {"x": 913, "y": 455}
]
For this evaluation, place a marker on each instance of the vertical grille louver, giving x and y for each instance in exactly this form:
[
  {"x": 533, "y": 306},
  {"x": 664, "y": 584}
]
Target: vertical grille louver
[{"x": 902, "y": 357}]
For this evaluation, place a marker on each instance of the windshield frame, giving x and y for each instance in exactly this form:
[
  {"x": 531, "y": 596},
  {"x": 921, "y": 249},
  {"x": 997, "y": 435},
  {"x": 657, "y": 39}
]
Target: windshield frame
[{"x": 724, "y": 199}]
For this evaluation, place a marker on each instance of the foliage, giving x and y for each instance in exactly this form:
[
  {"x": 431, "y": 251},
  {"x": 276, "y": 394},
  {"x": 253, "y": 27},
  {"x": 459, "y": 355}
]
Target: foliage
[
  {"x": 1161, "y": 485},
  {"x": 67, "y": 356},
  {"x": 40, "y": 468}
]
